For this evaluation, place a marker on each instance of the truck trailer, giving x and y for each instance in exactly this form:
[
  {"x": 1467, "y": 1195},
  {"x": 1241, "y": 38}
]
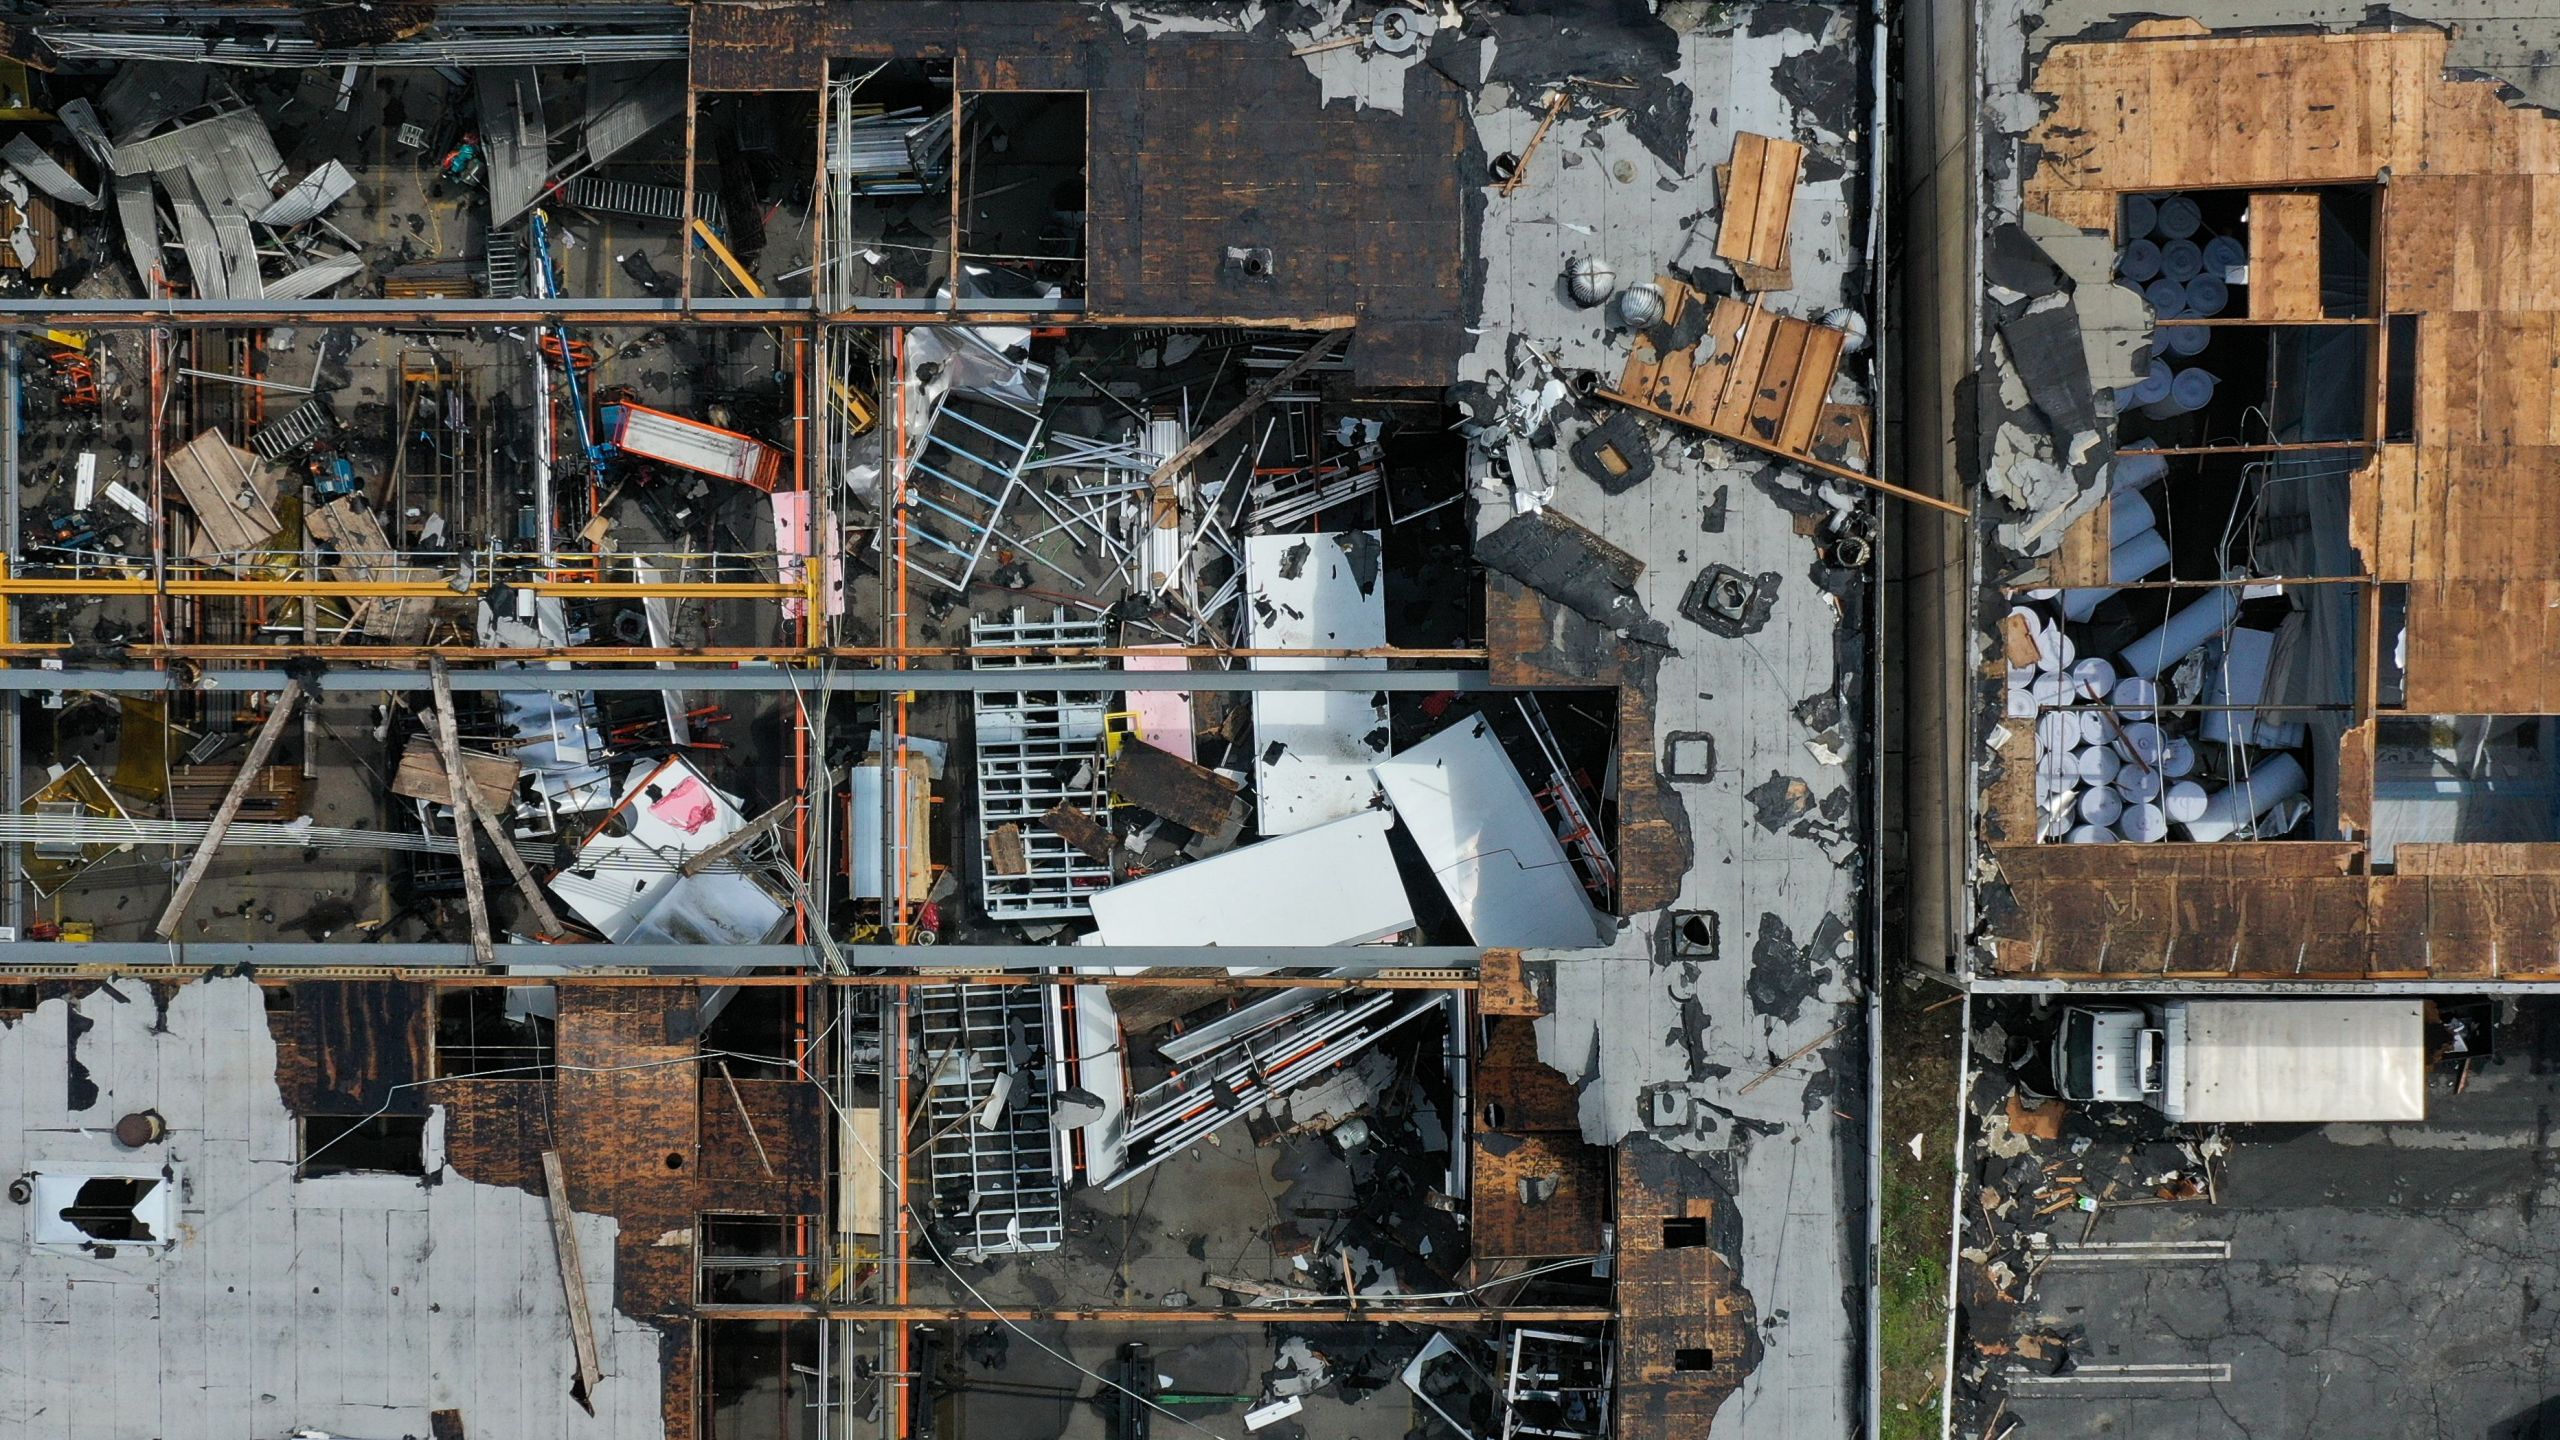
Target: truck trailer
[{"x": 2249, "y": 1061}]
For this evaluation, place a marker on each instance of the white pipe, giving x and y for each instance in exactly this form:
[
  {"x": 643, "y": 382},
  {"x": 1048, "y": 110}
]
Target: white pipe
[
  {"x": 2101, "y": 806},
  {"x": 2134, "y": 559},
  {"x": 2180, "y": 634},
  {"x": 2137, "y": 557},
  {"x": 2277, "y": 779},
  {"x": 2136, "y": 466},
  {"x": 2092, "y": 835},
  {"x": 2128, "y": 515}
]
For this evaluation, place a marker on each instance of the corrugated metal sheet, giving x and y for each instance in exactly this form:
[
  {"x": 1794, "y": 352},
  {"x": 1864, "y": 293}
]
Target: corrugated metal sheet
[
  {"x": 625, "y": 103},
  {"x": 231, "y": 156},
  {"x": 310, "y": 195},
  {"x": 514, "y": 137},
  {"x": 25, "y": 156},
  {"x": 139, "y": 218},
  {"x": 316, "y": 278},
  {"x": 197, "y": 235}
]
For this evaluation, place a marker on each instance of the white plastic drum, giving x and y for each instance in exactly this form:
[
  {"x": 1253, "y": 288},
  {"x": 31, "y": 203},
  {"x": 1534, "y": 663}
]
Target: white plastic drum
[
  {"x": 2177, "y": 758},
  {"x": 2184, "y": 802},
  {"x": 2101, "y": 806},
  {"x": 2093, "y": 676},
  {"x": 2137, "y": 785},
  {"x": 2144, "y": 823},
  {"x": 2099, "y": 764},
  {"x": 2135, "y": 696},
  {"x": 2143, "y": 741}
]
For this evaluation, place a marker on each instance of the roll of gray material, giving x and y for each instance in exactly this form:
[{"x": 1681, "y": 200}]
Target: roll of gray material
[
  {"x": 2138, "y": 261},
  {"x": 2207, "y": 296},
  {"x": 2141, "y": 217},
  {"x": 2224, "y": 253},
  {"x": 2180, "y": 217},
  {"x": 2182, "y": 260},
  {"x": 2166, "y": 297}
]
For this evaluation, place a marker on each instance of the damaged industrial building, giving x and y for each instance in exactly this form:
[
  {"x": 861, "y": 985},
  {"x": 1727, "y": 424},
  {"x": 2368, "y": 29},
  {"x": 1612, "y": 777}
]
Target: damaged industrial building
[
  {"x": 899, "y": 719},
  {"x": 2228, "y": 798}
]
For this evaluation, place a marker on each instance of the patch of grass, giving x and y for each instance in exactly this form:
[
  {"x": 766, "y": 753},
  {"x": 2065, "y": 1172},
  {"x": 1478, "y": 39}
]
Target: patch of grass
[{"x": 1921, "y": 1047}]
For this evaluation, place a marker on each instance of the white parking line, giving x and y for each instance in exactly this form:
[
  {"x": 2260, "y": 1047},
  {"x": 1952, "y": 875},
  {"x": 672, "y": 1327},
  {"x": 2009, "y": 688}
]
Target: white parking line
[
  {"x": 2141, "y": 1250},
  {"x": 2177, "y": 1374}
]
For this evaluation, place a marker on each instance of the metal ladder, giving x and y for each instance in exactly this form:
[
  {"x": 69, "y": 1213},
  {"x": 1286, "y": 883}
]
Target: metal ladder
[
  {"x": 644, "y": 201},
  {"x": 963, "y": 478},
  {"x": 502, "y": 267},
  {"x": 297, "y": 428}
]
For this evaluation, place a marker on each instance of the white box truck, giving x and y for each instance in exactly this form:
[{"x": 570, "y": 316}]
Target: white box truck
[{"x": 2214, "y": 1062}]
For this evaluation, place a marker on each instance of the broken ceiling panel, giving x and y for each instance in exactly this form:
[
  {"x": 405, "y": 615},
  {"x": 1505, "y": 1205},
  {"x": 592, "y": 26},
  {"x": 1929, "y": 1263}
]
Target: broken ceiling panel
[
  {"x": 1492, "y": 849},
  {"x": 1313, "y": 748}
]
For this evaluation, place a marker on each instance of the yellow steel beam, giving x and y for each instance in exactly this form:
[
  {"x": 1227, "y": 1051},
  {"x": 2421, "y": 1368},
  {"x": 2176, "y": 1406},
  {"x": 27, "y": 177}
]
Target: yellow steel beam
[{"x": 728, "y": 262}]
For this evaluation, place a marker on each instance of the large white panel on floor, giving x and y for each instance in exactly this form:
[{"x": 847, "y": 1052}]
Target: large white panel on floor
[
  {"x": 1491, "y": 848},
  {"x": 1333, "y": 885},
  {"x": 1313, "y": 749}
]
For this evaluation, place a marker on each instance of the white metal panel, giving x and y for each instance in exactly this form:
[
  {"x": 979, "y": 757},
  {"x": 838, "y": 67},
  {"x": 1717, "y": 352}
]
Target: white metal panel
[
  {"x": 1493, "y": 851},
  {"x": 1333, "y": 885},
  {"x": 1313, "y": 749},
  {"x": 2269, "y": 1061}
]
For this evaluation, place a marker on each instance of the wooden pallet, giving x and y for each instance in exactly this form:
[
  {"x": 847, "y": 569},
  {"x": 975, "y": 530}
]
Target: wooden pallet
[{"x": 196, "y": 791}]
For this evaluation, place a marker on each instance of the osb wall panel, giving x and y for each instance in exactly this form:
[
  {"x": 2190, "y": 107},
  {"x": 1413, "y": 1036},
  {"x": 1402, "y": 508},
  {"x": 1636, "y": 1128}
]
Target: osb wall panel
[
  {"x": 1518, "y": 1092},
  {"x": 757, "y": 47},
  {"x": 786, "y": 1117},
  {"x": 2484, "y": 648},
  {"x": 2227, "y": 111},
  {"x": 2468, "y": 515},
  {"x": 353, "y": 1047},
  {"x": 629, "y": 1139},
  {"x": 1508, "y": 1224},
  {"x": 1197, "y": 142},
  {"x": 1673, "y": 1299},
  {"x": 2470, "y": 216}
]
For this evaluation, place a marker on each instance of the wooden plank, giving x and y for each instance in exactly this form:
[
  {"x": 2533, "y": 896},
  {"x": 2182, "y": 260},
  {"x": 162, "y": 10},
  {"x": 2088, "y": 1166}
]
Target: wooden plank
[
  {"x": 259, "y": 749},
  {"x": 573, "y": 1279},
  {"x": 421, "y": 776},
  {"x": 745, "y": 834},
  {"x": 1750, "y": 353},
  {"x": 1217, "y": 430},
  {"x": 1742, "y": 196},
  {"x": 2284, "y": 257},
  {"x": 1771, "y": 389},
  {"x": 1782, "y": 169},
  {"x": 1808, "y": 461},
  {"x": 458, "y": 791},
  {"x": 349, "y": 526},
  {"x": 493, "y": 823},
  {"x": 231, "y": 491},
  {"x": 1192, "y": 796},
  {"x": 1080, "y": 830},
  {"x": 1814, "y": 374}
]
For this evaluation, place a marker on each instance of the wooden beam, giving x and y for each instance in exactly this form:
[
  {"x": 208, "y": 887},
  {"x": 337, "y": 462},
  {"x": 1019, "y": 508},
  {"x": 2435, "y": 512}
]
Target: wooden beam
[
  {"x": 1809, "y": 462},
  {"x": 259, "y": 749},
  {"x": 448, "y": 740},
  {"x": 731, "y": 844},
  {"x": 492, "y": 824},
  {"x": 573, "y": 1279},
  {"x": 1254, "y": 400}
]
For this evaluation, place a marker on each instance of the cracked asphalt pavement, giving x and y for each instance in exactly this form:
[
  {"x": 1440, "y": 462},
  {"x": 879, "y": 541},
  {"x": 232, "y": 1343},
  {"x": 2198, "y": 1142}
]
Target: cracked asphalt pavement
[{"x": 2381, "y": 1280}]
